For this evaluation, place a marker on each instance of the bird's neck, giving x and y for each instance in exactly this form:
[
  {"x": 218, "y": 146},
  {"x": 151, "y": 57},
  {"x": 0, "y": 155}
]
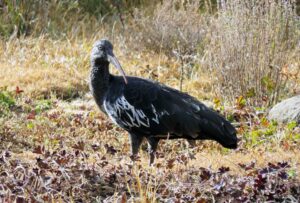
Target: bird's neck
[{"x": 99, "y": 79}]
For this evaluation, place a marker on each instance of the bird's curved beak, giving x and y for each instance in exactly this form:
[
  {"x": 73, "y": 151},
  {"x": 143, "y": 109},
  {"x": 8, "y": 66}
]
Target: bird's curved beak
[{"x": 112, "y": 59}]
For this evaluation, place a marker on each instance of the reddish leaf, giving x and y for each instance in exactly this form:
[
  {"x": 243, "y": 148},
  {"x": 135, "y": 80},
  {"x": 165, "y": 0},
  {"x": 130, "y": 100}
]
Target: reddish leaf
[
  {"x": 170, "y": 163},
  {"x": 79, "y": 145},
  {"x": 110, "y": 149},
  {"x": 273, "y": 166},
  {"x": 124, "y": 198},
  {"x": 20, "y": 200},
  {"x": 39, "y": 150},
  {"x": 182, "y": 159},
  {"x": 283, "y": 175},
  {"x": 283, "y": 164},
  {"x": 18, "y": 90},
  {"x": 205, "y": 174},
  {"x": 223, "y": 169},
  {"x": 62, "y": 160},
  {"x": 201, "y": 200},
  {"x": 260, "y": 182},
  {"x": 42, "y": 164},
  {"x": 31, "y": 115},
  {"x": 247, "y": 167}
]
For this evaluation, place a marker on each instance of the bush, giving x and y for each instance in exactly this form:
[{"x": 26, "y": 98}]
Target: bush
[{"x": 249, "y": 47}]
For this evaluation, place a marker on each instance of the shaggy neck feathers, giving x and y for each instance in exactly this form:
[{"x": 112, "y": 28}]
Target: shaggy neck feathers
[{"x": 99, "y": 80}]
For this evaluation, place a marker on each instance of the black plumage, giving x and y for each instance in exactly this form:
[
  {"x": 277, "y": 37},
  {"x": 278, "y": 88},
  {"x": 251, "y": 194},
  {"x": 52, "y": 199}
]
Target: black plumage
[{"x": 150, "y": 110}]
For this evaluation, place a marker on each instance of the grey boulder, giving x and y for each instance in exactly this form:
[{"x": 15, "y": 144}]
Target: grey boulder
[{"x": 286, "y": 111}]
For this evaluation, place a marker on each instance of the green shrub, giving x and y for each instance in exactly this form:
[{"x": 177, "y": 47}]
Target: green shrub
[
  {"x": 42, "y": 105},
  {"x": 6, "y": 99}
]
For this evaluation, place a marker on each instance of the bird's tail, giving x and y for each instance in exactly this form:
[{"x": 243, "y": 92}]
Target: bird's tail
[{"x": 221, "y": 130}]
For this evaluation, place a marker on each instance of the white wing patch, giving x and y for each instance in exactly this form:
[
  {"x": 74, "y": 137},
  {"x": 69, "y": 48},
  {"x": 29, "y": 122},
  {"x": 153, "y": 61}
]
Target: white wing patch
[
  {"x": 107, "y": 109},
  {"x": 155, "y": 114},
  {"x": 136, "y": 117}
]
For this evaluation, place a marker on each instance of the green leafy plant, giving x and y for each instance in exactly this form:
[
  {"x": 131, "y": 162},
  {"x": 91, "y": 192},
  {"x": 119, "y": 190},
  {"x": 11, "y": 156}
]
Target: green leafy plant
[
  {"x": 6, "y": 99},
  {"x": 42, "y": 105},
  {"x": 291, "y": 125},
  {"x": 6, "y": 102}
]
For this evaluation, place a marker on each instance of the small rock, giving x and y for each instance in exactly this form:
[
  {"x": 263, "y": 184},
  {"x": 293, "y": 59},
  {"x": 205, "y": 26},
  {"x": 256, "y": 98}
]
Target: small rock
[{"x": 286, "y": 111}]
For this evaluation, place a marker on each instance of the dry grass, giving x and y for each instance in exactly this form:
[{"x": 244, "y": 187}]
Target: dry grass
[
  {"x": 247, "y": 46},
  {"x": 251, "y": 43},
  {"x": 44, "y": 67},
  {"x": 173, "y": 27},
  {"x": 201, "y": 56}
]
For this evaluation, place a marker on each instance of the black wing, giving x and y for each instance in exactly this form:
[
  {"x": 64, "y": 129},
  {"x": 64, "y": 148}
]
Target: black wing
[{"x": 174, "y": 112}]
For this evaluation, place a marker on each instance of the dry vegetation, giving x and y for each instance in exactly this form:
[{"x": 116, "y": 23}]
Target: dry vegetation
[
  {"x": 252, "y": 44},
  {"x": 57, "y": 147}
]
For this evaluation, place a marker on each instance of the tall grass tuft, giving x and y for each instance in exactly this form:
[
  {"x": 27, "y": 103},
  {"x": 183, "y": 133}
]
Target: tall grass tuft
[
  {"x": 173, "y": 26},
  {"x": 176, "y": 29},
  {"x": 251, "y": 44},
  {"x": 60, "y": 17},
  {"x": 249, "y": 48}
]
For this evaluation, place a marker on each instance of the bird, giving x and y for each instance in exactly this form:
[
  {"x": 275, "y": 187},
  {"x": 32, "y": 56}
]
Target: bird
[{"x": 150, "y": 110}]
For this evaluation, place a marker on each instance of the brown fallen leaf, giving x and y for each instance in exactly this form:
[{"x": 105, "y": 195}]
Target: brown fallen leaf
[{"x": 31, "y": 115}]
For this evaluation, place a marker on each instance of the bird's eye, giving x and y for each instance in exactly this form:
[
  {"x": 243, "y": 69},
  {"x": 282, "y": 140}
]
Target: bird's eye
[{"x": 100, "y": 48}]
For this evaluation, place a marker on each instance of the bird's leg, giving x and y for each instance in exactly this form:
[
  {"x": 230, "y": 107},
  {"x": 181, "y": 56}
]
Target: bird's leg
[
  {"x": 152, "y": 146},
  {"x": 136, "y": 141},
  {"x": 192, "y": 143}
]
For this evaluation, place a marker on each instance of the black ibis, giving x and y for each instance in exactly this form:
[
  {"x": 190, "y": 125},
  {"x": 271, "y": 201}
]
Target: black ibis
[{"x": 148, "y": 109}]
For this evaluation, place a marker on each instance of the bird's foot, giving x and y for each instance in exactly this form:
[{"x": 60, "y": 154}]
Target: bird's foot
[
  {"x": 134, "y": 157},
  {"x": 152, "y": 157},
  {"x": 192, "y": 143}
]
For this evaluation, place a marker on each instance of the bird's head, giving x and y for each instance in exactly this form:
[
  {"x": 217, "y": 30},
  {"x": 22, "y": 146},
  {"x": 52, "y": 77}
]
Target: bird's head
[{"x": 103, "y": 52}]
